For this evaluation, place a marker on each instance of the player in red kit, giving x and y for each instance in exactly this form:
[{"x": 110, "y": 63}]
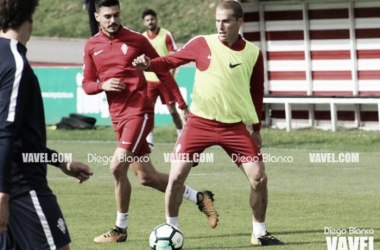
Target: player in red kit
[
  {"x": 227, "y": 95},
  {"x": 108, "y": 67},
  {"x": 163, "y": 42}
]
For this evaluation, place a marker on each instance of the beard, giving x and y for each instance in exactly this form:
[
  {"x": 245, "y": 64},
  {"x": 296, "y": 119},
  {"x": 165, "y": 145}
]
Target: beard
[{"x": 152, "y": 27}]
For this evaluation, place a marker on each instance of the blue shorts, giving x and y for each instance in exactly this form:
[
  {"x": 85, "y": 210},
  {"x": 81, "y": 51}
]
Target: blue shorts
[{"x": 35, "y": 222}]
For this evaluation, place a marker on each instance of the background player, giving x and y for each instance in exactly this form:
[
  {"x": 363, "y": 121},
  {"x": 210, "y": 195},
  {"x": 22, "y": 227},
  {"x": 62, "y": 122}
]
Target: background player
[
  {"x": 163, "y": 42},
  {"x": 89, "y": 6}
]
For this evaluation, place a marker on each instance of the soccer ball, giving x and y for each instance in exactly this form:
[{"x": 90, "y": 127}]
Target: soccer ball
[{"x": 166, "y": 237}]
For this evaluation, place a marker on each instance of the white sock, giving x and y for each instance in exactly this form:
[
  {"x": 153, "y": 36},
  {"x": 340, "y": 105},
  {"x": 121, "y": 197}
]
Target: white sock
[
  {"x": 259, "y": 229},
  {"x": 149, "y": 138},
  {"x": 190, "y": 194},
  {"x": 179, "y": 131},
  {"x": 122, "y": 220},
  {"x": 172, "y": 221}
]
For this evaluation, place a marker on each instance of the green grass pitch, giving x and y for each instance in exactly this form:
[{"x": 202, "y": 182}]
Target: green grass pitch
[{"x": 304, "y": 197}]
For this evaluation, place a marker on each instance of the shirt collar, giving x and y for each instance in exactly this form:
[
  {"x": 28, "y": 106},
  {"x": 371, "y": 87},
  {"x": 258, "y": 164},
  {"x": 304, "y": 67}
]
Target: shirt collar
[{"x": 238, "y": 45}]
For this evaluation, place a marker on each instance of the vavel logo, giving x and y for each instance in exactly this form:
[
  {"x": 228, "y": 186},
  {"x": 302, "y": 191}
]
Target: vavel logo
[{"x": 349, "y": 239}]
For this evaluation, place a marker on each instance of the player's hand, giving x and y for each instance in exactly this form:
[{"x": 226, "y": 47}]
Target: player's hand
[
  {"x": 4, "y": 211},
  {"x": 113, "y": 84},
  {"x": 78, "y": 170},
  {"x": 257, "y": 138},
  {"x": 142, "y": 62}
]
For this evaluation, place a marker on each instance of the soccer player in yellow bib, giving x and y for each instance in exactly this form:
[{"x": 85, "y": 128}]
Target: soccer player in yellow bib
[
  {"x": 228, "y": 94},
  {"x": 163, "y": 42}
]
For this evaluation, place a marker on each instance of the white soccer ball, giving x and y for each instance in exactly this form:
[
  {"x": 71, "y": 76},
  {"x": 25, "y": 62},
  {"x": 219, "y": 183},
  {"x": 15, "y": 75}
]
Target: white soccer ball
[{"x": 166, "y": 237}]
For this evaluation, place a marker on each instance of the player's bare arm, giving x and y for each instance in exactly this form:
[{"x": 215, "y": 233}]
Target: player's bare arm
[
  {"x": 113, "y": 84},
  {"x": 142, "y": 62}
]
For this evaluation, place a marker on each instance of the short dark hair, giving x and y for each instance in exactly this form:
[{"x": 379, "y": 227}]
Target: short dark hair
[
  {"x": 105, "y": 3},
  {"x": 13, "y": 13},
  {"x": 148, "y": 12},
  {"x": 234, "y": 6}
]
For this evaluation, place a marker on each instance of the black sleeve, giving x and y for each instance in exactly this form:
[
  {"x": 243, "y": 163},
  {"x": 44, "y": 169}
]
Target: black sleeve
[
  {"x": 53, "y": 160},
  {"x": 6, "y": 146},
  {"x": 9, "y": 83}
]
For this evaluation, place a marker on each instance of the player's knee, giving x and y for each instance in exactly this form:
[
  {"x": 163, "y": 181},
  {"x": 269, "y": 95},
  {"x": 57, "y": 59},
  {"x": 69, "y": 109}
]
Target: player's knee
[
  {"x": 259, "y": 182},
  {"x": 176, "y": 182},
  {"x": 146, "y": 180},
  {"x": 118, "y": 170}
]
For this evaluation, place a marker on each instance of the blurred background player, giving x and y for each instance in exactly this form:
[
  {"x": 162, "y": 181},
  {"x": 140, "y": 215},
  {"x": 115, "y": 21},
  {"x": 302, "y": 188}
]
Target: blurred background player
[
  {"x": 108, "y": 67},
  {"x": 30, "y": 217},
  {"x": 89, "y": 6},
  {"x": 163, "y": 42},
  {"x": 228, "y": 89}
]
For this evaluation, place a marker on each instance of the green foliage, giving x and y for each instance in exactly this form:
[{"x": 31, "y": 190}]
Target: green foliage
[{"x": 185, "y": 19}]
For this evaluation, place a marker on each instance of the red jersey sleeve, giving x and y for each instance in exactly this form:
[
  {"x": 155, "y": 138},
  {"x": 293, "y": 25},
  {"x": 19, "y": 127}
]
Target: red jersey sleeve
[
  {"x": 165, "y": 77},
  {"x": 196, "y": 50},
  {"x": 257, "y": 89},
  {"x": 89, "y": 82},
  {"x": 170, "y": 42}
]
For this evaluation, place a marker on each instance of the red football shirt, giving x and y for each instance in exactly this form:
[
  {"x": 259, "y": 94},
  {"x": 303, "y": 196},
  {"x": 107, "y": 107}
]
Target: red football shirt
[
  {"x": 106, "y": 58},
  {"x": 197, "y": 50}
]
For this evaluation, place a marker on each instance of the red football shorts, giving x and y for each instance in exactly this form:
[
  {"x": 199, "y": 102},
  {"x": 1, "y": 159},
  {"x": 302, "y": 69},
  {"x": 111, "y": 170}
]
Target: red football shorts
[
  {"x": 199, "y": 134},
  {"x": 132, "y": 133},
  {"x": 158, "y": 89}
]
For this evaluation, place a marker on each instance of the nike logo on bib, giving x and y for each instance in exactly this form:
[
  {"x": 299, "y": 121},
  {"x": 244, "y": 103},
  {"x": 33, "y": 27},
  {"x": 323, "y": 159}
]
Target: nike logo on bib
[{"x": 234, "y": 65}]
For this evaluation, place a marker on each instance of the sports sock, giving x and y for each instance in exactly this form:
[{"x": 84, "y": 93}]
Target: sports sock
[
  {"x": 190, "y": 194},
  {"x": 259, "y": 228},
  {"x": 122, "y": 220},
  {"x": 172, "y": 221}
]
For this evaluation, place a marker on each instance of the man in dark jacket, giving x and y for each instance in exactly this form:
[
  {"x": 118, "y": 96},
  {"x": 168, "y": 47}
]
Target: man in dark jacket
[{"x": 30, "y": 217}]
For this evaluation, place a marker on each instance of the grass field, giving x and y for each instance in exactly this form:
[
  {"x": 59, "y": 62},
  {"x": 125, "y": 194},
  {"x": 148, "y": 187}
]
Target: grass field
[{"x": 304, "y": 197}]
